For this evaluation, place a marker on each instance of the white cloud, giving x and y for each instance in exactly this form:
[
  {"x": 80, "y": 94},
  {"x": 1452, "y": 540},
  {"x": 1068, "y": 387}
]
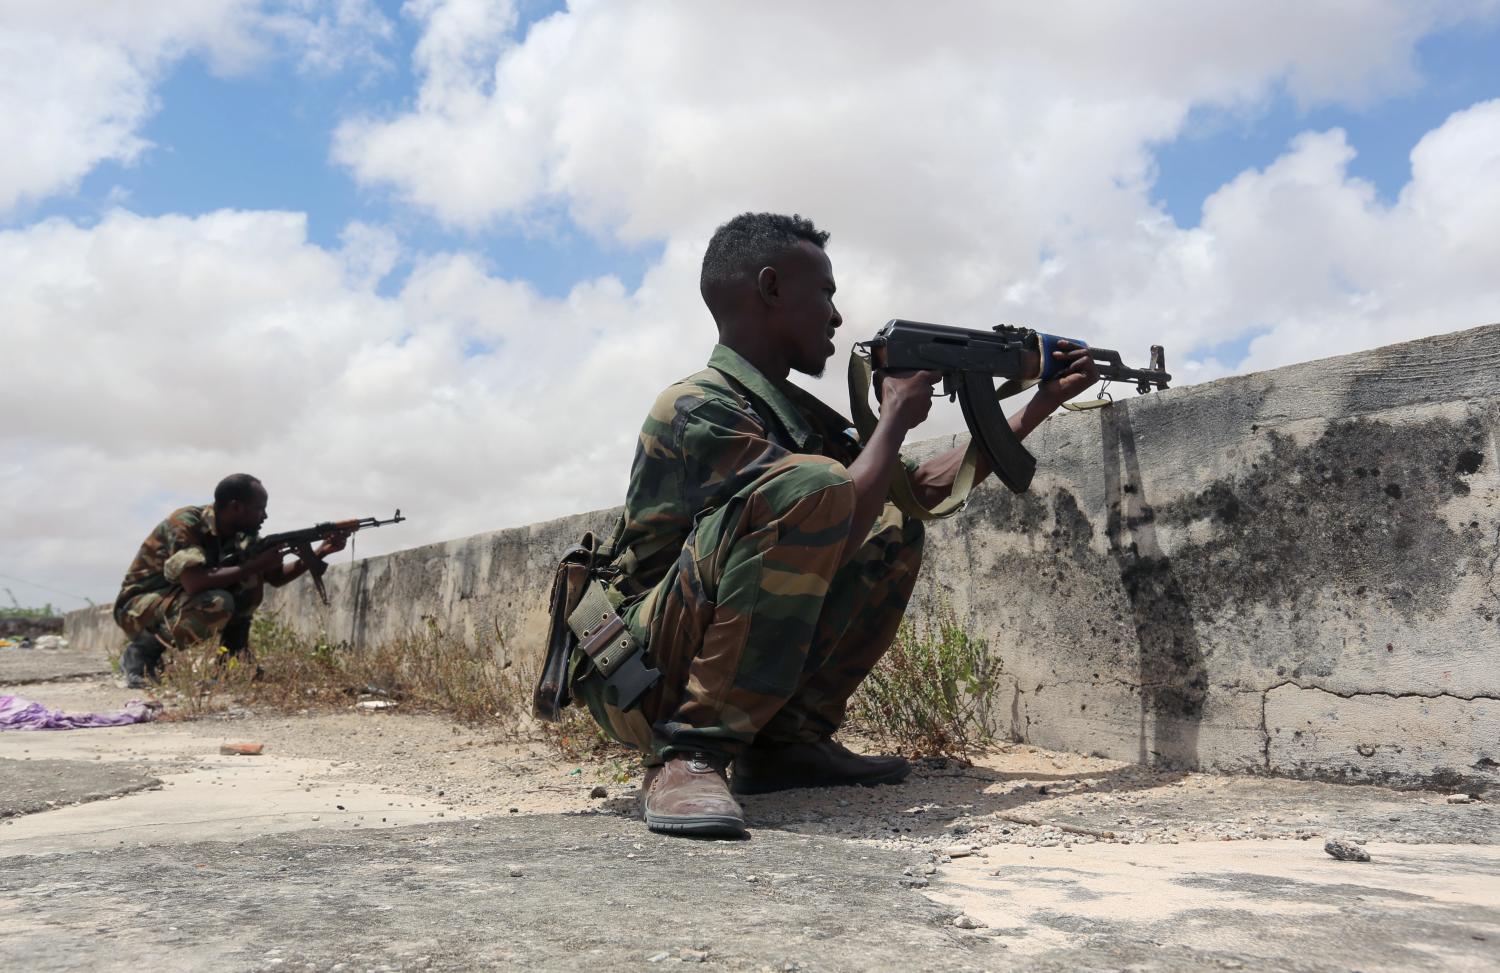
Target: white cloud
[
  {"x": 647, "y": 117},
  {"x": 163, "y": 353},
  {"x": 992, "y": 162},
  {"x": 976, "y": 167},
  {"x": 80, "y": 75}
]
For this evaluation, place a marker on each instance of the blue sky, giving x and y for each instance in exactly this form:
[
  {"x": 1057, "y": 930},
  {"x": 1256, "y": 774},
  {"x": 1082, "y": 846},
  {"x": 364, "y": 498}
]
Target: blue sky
[
  {"x": 1459, "y": 67},
  {"x": 260, "y": 140}
]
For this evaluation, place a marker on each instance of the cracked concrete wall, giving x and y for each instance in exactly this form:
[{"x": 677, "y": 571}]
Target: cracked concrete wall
[{"x": 1292, "y": 572}]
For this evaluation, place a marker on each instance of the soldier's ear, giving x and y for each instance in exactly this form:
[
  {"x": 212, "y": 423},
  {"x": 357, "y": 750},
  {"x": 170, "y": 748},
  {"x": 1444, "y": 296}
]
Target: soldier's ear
[{"x": 768, "y": 286}]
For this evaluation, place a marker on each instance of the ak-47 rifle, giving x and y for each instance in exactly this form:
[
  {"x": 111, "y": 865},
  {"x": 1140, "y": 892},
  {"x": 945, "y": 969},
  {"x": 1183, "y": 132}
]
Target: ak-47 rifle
[
  {"x": 300, "y": 543},
  {"x": 970, "y": 362}
]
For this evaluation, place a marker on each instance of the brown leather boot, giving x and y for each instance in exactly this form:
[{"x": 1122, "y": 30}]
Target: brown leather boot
[
  {"x": 689, "y": 796},
  {"x": 826, "y": 763}
]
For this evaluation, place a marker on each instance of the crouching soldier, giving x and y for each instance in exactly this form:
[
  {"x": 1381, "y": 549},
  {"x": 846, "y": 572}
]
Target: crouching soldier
[
  {"x": 759, "y": 567},
  {"x": 178, "y": 593}
]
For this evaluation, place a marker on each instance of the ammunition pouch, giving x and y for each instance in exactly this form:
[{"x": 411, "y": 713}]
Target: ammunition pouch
[{"x": 584, "y": 615}]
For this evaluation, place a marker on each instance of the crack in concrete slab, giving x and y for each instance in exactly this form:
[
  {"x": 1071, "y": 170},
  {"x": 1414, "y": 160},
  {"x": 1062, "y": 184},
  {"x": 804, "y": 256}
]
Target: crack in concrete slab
[
  {"x": 1251, "y": 690},
  {"x": 1357, "y": 694}
]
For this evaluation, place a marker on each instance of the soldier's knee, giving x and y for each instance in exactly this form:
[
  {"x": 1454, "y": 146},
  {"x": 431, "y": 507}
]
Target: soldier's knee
[
  {"x": 801, "y": 476},
  {"x": 214, "y": 602}
]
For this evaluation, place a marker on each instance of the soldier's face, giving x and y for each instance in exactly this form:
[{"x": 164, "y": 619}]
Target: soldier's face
[
  {"x": 807, "y": 316},
  {"x": 248, "y": 515}
]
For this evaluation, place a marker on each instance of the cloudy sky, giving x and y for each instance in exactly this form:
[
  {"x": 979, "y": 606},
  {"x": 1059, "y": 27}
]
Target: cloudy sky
[{"x": 441, "y": 254}]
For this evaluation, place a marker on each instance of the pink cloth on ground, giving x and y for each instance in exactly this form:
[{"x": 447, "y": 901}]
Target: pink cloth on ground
[{"x": 19, "y": 713}]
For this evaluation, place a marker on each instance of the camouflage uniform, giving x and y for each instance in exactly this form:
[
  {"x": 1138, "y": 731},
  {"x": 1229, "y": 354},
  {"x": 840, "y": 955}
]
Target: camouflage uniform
[
  {"x": 737, "y": 513},
  {"x": 152, "y": 598}
]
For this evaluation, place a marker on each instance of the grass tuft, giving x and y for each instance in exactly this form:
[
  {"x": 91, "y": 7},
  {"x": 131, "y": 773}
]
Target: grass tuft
[
  {"x": 430, "y": 670},
  {"x": 930, "y": 694}
]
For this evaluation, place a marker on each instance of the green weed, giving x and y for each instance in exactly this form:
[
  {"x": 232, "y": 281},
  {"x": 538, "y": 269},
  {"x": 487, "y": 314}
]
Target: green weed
[{"x": 930, "y": 694}]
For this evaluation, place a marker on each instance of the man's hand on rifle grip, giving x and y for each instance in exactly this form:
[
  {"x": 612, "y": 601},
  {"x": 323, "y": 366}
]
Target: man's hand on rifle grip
[{"x": 906, "y": 397}]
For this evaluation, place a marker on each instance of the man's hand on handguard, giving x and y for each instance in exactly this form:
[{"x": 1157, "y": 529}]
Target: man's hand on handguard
[
  {"x": 332, "y": 544},
  {"x": 1081, "y": 373}
]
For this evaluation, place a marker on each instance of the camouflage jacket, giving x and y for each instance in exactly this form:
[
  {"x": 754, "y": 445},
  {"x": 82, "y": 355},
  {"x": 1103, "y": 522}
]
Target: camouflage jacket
[
  {"x": 188, "y": 536},
  {"x": 707, "y": 438}
]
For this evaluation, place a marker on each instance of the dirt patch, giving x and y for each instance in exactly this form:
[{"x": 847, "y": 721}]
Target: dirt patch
[{"x": 40, "y": 785}]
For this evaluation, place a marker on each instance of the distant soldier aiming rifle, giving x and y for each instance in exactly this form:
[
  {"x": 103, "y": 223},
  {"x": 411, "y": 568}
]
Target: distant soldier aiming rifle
[{"x": 201, "y": 574}]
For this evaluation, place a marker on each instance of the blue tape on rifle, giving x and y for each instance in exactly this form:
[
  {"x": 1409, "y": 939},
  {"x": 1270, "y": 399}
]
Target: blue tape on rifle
[{"x": 1050, "y": 366}]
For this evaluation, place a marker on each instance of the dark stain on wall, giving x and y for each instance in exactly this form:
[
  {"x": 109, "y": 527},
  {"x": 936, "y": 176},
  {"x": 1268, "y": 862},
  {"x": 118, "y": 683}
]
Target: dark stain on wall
[
  {"x": 1352, "y": 515},
  {"x": 1348, "y": 524}
]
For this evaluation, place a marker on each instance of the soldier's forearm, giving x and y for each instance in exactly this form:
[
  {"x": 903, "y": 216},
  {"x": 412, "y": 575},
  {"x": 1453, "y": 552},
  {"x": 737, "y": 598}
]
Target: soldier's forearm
[
  {"x": 933, "y": 481},
  {"x": 871, "y": 474},
  {"x": 285, "y": 574},
  {"x": 200, "y": 578}
]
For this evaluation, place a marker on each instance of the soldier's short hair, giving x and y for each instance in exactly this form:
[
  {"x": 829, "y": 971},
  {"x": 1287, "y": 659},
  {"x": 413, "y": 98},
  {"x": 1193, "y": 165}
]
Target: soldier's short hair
[
  {"x": 236, "y": 486},
  {"x": 751, "y": 241}
]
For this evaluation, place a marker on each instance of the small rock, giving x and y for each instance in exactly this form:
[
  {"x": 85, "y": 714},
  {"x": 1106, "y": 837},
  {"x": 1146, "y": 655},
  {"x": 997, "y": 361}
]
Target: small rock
[
  {"x": 1345, "y": 851},
  {"x": 1460, "y": 799},
  {"x": 658, "y": 957},
  {"x": 928, "y": 869},
  {"x": 692, "y": 955},
  {"x": 915, "y": 882},
  {"x": 516, "y": 872},
  {"x": 967, "y": 922},
  {"x": 958, "y": 851},
  {"x": 599, "y": 792}
]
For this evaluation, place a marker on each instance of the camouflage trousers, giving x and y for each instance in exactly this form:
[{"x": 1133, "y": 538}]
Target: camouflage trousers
[
  {"x": 760, "y": 633},
  {"x": 180, "y": 619}
]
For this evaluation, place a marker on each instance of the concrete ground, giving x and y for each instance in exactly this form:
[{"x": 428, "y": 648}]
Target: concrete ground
[
  {"x": 23, "y": 666},
  {"x": 396, "y": 841}
]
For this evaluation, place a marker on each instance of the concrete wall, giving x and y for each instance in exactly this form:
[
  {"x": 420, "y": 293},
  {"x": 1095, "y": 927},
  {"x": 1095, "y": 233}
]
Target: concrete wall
[{"x": 1292, "y": 572}]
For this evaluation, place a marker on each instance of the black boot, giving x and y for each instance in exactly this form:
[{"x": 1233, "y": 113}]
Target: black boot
[
  {"x": 140, "y": 663},
  {"x": 826, "y": 763}
]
